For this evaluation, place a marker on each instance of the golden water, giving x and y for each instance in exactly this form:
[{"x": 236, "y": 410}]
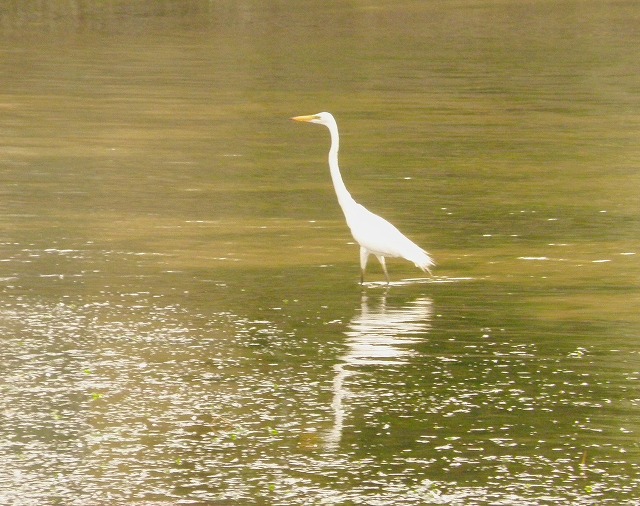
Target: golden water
[{"x": 180, "y": 313}]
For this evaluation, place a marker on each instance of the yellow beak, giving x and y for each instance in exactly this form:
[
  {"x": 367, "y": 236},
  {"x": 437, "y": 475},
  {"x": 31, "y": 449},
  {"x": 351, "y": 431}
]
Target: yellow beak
[{"x": 305, "y": 118}]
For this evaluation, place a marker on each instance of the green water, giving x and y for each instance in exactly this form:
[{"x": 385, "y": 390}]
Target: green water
[{"x": 180, "y": 313}]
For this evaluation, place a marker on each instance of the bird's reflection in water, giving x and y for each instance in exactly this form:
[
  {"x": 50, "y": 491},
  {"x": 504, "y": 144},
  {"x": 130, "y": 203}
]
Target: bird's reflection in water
[{"x": 376, "y": 336}]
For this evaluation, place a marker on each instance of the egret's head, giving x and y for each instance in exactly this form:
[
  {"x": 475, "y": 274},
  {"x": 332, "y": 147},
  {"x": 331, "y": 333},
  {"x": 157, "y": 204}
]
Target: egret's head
[{"x": 322, "y": 118}]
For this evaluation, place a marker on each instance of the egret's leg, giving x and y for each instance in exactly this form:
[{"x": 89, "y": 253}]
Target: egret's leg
[
  {"x": 364, "y": 257},
  {"x": 384, "y": 267}
]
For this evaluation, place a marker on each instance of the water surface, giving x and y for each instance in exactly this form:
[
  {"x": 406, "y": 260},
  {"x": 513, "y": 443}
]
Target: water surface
[{"x": 180, "y": 312}]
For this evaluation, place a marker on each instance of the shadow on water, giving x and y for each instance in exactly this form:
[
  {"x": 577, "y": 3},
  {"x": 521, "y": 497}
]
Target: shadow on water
[{"x": 375, "y": 337}]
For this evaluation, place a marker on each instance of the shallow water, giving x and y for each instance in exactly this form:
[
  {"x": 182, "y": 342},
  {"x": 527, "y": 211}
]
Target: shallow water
[{"x": 180, "y": 313}]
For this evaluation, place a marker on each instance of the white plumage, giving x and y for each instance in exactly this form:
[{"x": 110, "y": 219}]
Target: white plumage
[{"x": 375, "y": 235}]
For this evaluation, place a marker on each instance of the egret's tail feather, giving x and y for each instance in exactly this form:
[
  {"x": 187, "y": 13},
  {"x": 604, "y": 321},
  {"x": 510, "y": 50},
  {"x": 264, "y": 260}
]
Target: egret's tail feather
[{"x": 423, "y": 261}]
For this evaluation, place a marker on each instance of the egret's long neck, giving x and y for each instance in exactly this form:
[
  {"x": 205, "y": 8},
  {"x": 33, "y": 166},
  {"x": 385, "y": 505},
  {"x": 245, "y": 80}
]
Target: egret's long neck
[{"x": 344, "y": 197}]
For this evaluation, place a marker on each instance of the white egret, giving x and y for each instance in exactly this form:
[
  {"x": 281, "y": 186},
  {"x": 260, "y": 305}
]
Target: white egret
[{"x": 374, "y": 234}]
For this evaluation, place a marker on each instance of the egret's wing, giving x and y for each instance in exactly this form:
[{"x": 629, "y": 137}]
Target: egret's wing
[{"x": 378, "y": 235}]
